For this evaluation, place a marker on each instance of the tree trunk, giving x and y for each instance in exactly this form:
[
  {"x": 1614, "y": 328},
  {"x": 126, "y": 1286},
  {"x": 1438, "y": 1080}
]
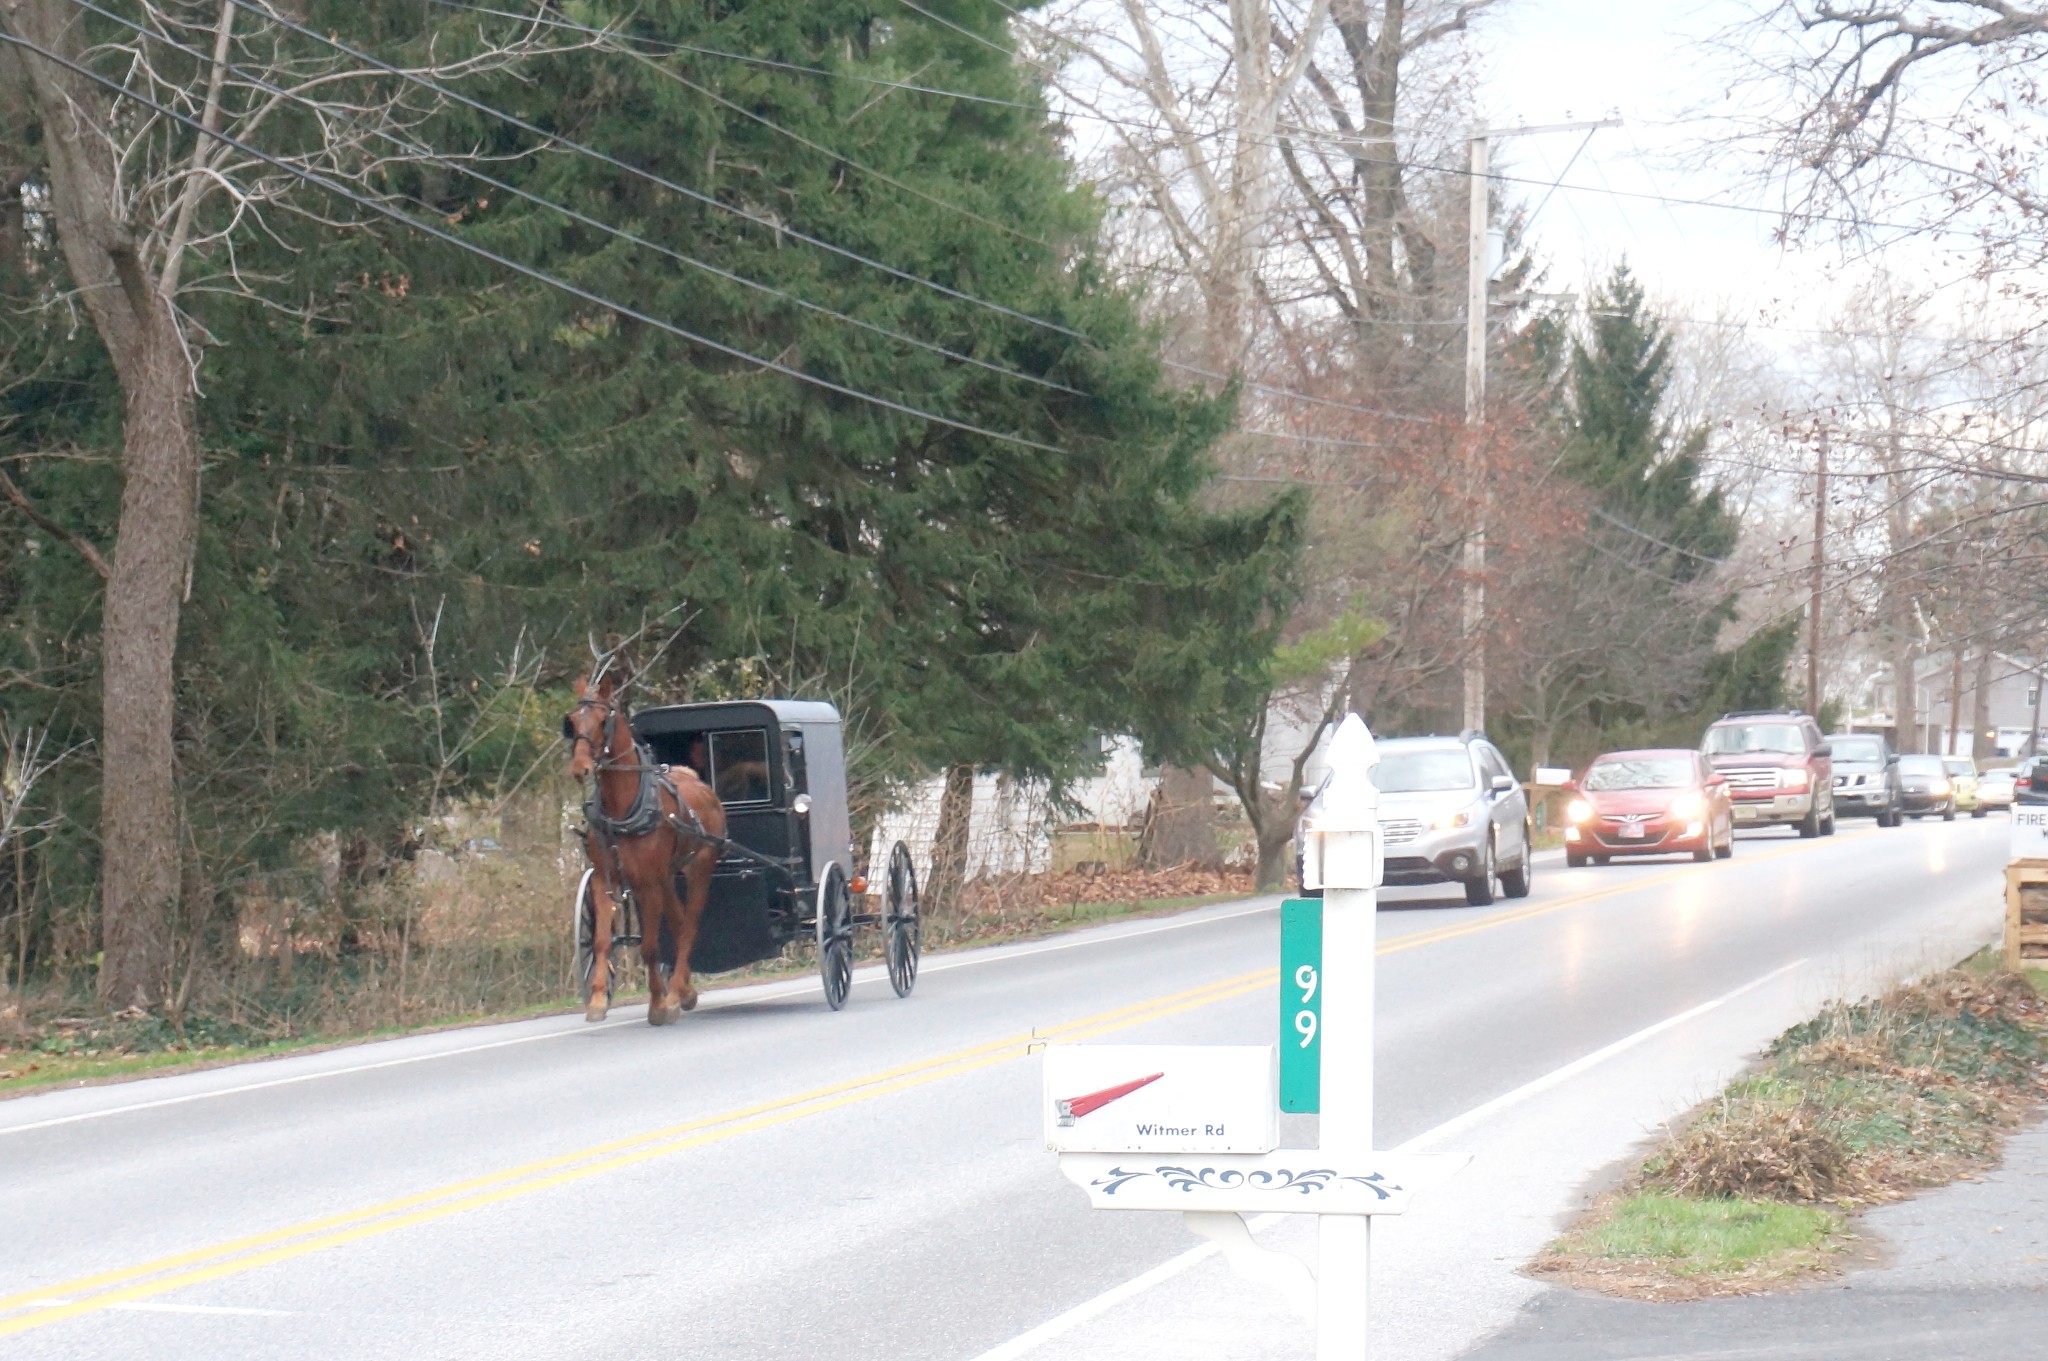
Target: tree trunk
[
  {"x": 138, "y": 799},
  {"x": 949, "y": 842},
  {"x": 1982, "y": 745},
  {"x": 1276, "y": 839},
  {"x": 1905, "y": 700},
  {"x": 158, "y": 522},
  {"x": 1955, "y": 705},
  {"x": 1180, "y": 826}
]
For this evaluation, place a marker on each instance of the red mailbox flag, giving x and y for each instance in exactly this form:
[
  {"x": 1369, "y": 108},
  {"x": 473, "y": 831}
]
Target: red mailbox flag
[{"x": 1073, "y": 1108}]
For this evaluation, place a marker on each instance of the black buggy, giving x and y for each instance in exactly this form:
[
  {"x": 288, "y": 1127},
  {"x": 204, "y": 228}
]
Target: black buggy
[{"x": 785, "y": 866}]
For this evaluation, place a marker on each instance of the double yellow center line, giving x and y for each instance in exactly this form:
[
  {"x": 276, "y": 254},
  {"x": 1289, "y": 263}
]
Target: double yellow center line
[{"x": 39, "y": 1308}]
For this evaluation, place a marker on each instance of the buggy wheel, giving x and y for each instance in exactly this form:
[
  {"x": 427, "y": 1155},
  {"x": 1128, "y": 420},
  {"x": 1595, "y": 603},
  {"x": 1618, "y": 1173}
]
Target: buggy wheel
[
  {"x": 585, "y": 911},
  {"x": 902, "y": 939},
  {"x": 835, "y": 937}
]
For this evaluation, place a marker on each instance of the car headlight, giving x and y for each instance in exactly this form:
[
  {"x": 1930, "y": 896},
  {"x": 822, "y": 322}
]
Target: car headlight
[
  {"x": 1687, "y": 806},
  {"x": 1794, "y": 779},
  {"x": 1444, "y": 822},
  {"x": 1941, "y": 786},
  {"x": 1579, "y": 810}
]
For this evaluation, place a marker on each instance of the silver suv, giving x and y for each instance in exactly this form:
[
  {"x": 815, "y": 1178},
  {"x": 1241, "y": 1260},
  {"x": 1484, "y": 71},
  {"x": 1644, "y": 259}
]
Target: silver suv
[{"x": 1451, "y": 812}]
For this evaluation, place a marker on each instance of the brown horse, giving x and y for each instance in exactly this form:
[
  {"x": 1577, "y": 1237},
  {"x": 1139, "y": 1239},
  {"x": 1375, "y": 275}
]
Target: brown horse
[{"x": 649, "y": 825}]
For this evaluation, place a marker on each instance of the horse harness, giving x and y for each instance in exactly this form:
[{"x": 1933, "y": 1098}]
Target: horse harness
[{"x": 645, "y": 813}]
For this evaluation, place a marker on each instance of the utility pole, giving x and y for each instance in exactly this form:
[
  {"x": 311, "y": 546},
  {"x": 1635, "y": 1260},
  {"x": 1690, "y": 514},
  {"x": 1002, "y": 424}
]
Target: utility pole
[
  {"x": 1477, "y": 275},
  {"x": 1476, "y": 278},
  {"x": 1820, "y": 562}
]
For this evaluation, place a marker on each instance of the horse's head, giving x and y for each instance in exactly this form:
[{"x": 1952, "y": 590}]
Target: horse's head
[{"x": 588, "y": 727}]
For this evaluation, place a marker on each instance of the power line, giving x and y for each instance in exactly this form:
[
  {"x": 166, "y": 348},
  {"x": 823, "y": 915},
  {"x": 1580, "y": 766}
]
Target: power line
[
  {"x": 652, "y": 178},
  {"x": 781, "y": 229},
  {"x": 541, "y": 276},
  {"x": 669, "y": 45},
  {"x": 619, "y": 41},
  {"x": 623, "y": 234}
]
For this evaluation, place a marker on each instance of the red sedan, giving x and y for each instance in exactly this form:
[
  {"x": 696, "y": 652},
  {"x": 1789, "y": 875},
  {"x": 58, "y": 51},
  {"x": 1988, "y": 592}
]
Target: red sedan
[{"x": 1649, "y": 803}]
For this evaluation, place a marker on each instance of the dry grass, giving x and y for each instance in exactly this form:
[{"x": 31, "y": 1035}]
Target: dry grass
[
  {"x": 448, "y": 940},
  {"x": 1866, "y": 1103}
]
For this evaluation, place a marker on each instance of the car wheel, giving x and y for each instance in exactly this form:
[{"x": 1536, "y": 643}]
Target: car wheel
[
  {"x": 1809, "y": 826},
  {"x": 1602, "y": 859},
  {"x": 1575, "y": 860},
  {"x": 1979, "y": 811},
  {"x": 1703, "y": 855},
  {"x": 1479, "y": 888},
  {"x": 1828, "y": 828},
  {"x": 1948, "y": 814},
  {"x": 1727, "y": 846},
  {"x": 1515, "y": 883}
]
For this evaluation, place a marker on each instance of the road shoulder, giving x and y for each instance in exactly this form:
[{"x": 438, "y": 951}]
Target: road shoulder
[{"x": 1966, "y": 1274}]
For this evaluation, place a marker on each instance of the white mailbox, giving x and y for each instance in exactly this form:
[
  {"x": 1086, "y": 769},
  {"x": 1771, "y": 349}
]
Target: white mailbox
[{"x": 1121, "y": 1098}]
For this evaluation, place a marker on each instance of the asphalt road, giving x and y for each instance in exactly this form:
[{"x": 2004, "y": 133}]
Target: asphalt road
[{"x": 768, "y": 1179}]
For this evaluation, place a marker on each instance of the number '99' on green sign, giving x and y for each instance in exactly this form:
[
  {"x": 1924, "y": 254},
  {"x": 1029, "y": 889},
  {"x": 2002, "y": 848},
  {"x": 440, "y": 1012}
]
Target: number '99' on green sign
[{"x": 1301, "y": 1006}]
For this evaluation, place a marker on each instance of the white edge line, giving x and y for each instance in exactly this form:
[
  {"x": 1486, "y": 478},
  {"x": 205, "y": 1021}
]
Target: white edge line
[
  {"x": 1479, "y": 1114},
  {"x": 770, "y": 993},
  {"x": 1024, "y": 1344}
]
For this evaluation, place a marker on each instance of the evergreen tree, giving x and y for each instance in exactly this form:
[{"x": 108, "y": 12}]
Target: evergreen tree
[
  {"x": 1622, "y": 446},
  {"x": 441, "y": 466}
]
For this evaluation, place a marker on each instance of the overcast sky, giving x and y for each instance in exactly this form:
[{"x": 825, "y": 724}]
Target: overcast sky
[{"x": 1552, "y": 61}]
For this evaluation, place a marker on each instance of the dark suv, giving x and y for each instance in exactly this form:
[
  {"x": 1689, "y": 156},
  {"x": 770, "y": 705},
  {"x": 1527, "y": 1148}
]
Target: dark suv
[
  {"x": 1778, "y": 769},
  {"x": 1866, "y": 777}
]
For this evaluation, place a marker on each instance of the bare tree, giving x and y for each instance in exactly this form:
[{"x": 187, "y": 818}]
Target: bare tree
[
  {"x": 145, "y": 111},
  {"x": 1881, "y": 118}
]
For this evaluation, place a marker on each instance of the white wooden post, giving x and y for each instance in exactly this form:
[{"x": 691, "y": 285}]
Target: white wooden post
[
  {"x": 1125, "y": 1120},
  {"x": 1346, "y": 826}
]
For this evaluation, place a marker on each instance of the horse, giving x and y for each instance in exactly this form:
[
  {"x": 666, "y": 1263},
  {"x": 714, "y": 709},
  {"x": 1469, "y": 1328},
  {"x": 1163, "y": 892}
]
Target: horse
[{"x": 648, "y": 826}]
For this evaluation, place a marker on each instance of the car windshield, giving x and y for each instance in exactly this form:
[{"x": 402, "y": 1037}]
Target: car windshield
[
  {"x": 1421, "y": 772},
  {"x": 1654, "y": 772},
  {"x": 1960, "y": 765},
  {"x": 1735, "y": 739},
  {"x": 1920, "y": 765},
  {"x": 1868, "y": 749}
]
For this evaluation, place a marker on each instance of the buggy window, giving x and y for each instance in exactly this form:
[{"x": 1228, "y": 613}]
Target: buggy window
[{"x": 739, "y": 765}]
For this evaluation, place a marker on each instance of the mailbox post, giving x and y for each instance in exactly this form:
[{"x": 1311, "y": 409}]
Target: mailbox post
[
  {"x": 1343, "y": 841},
  {"x": 1196, "y": 1129}
]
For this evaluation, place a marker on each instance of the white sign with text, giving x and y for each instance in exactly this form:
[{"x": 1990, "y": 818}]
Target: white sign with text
[
  {"x": 2029, "y": 831},
  {"x": 1139, "y": 1098}
]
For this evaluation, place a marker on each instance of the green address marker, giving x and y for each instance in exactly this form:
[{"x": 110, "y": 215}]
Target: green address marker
[{"x": 1301, "y": 1006}]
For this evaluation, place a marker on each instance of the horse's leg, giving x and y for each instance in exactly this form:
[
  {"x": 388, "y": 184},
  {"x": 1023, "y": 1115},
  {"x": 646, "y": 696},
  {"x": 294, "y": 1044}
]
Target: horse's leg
[
  {"x": 595, "y": 1007},
  {"x": 601, "y": 949},
  {"x": 653, "y": 895},
  {"x": 689, "y": 912}
]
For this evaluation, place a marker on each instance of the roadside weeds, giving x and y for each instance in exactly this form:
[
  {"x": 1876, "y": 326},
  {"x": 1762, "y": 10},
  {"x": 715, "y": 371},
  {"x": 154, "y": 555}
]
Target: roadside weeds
[
  {"x": 1866, "y": 1103},
  {"x": 50, "y": 1040}
]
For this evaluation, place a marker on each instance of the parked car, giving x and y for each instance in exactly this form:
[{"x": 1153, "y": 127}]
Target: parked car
[
  {"x": 1925, "y": 786},
  {"x": 1866, "y": 777},
  {"x": 1962, "y": 778},
  {"x": 1778, "y": 769},
  {"x": 1995, "y": 787},
  {"x": 1649, "y": 803},
  {"x": 1451, "y": 812},
  {"x": 2030, "y": 781}
]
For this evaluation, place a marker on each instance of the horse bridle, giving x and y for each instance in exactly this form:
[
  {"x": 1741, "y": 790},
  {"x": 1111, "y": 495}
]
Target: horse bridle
[{"x": 601, "y": 753}]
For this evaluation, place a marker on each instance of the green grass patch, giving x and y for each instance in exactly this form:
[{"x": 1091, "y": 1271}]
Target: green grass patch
[
  {"x": 1691, "y": 1237},
  {"x": 1865, "y": 1103}
]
